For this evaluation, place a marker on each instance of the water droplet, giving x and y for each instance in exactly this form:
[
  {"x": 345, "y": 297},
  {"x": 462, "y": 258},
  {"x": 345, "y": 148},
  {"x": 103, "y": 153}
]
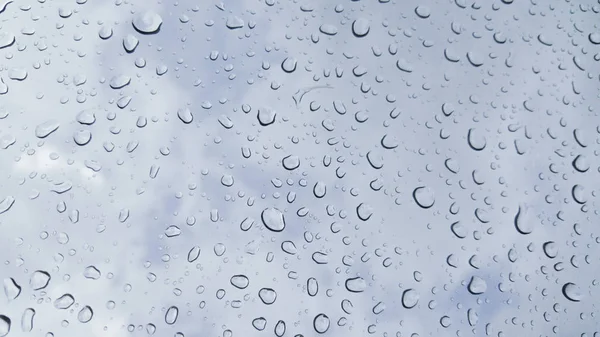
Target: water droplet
[
  {"x": 7, "y": 39},
  {"x": 312, "y": 286},
  {"x": 234, "y": 22},
  {"x": 550, "y": 249},
  {"x": 273, "y": 219},
  {"x": 172, "y": 231},
  {"x": 130, "y": 43},
  {"x": 147, "y": 22},
  {"x": 290, "y": 162},
  {"x": 404, "y": 65},
  {"x": 578, "y": 193},
  {"x": 5, "y": 325},
  {"x": 7, "y": 141},
  {"x": 27, "y": 320},
  {"x": 424, "y": 197},
  {"x": 64, "y": 302},
  {"x": 240, "y": 281},
  {"x": 459, "y": 230},
  {"x": 17, "y": 74},
  {"x": 476, "y": 140},
  {"x": 91, "y": 273},
  {"x": 289, "y": 65},
  {"x": 328, "y": 29},
  {"x": 39, "y": 280},
  {"x": 120, "y": 81},
  {"x": 364, "y": 211},
  {"x": 185, "y": 115},
  {"x": 423, "y": 12},
  {"x": 266, "y": 116},
  {"x": 360, "y": 27},
  {"x": 477, "y": 285},
  {"x": 321, "y": 323},
  {"x": 320, "y": 189},
  {"x": 12, "y": 289},
  {"x": 86, "y": 117},
  {"x": 259, "y": 323},
  {"x": 82, "y": 137},
  {"x": 105, "y": 32},
  {"x": 410, "y": 298},
  {"x": 85, "y": 314},
  {"x": 193, "y": 254},
  {"x": 171, "y": 315},
  {"x": 6, "y": 204},
  {"x": 44, "y": 129},
  {"x": 472, "y": 317},
  {"x": 289, "y": 247},
  {"x": 523, "y": 220},
  {"x": 445, "y": 321},
  {"x": 572, "y": 292},
  {"x": 356, "y": 284},
  {"x": 279, "y": 329},
  {"x": 267, "y": 295}
]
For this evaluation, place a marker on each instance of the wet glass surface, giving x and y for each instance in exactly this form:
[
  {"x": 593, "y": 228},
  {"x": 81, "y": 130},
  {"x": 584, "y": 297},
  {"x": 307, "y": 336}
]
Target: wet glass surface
[{"x": 297, "y": 168}]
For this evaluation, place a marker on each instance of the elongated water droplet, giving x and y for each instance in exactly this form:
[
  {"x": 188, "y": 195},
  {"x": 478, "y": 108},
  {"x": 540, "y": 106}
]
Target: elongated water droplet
[
  {"x": 171, "y": 315},
  {"x": 12, "y": 289},
  {"x": 44, "y": 129},
  {"x": 64, "y": 302},
  {"x": 27, "y": 320}
]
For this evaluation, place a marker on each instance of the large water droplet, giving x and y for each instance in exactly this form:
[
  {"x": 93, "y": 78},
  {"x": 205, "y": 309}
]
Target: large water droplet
[
  {"x": 44, "y": 129},
  {"x": 291, "y": 162},
  {"x": 523, "y": 220},
  {"x": 119, "y": 81},
  {"x": 273, "y": 219},
  {"x": 364, "y": 211},
  {"x": 5, "y": 324},
  {"x": 147, "y": 22},
  {"x": 259, "y": 323},
  {"x": 7, "y": 39},
  {"x": 92, "y": 273},
  {"x": 267, "y": 295},
  {"x": 12, "y": 289},
  {"x": 171, "y": 315},
  {"x": 356, "y": 284},
  {"x": 572, "y": 292},
  {"x": 424, "y": 197},
  {"x": 321, "y": 323},
  {"x": 477, "y": 285},
  {"x": 328, "y": 29},
  {"x": 85, "y": 314},
  {"x": 27, "y": 320},
  {"x": 266, "y": 116},
  {"x": 240, "y": 281},
  {"x": 289, "y": 65},
  {"x": 130, "y": 42},
  {"x": 360, "y": 27},
  {"x": 410, "y": 298},
  {"x": 550, "y": 249},
  {"x": 64, "y": 302},
  {"x": 39, "y": 280}
]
